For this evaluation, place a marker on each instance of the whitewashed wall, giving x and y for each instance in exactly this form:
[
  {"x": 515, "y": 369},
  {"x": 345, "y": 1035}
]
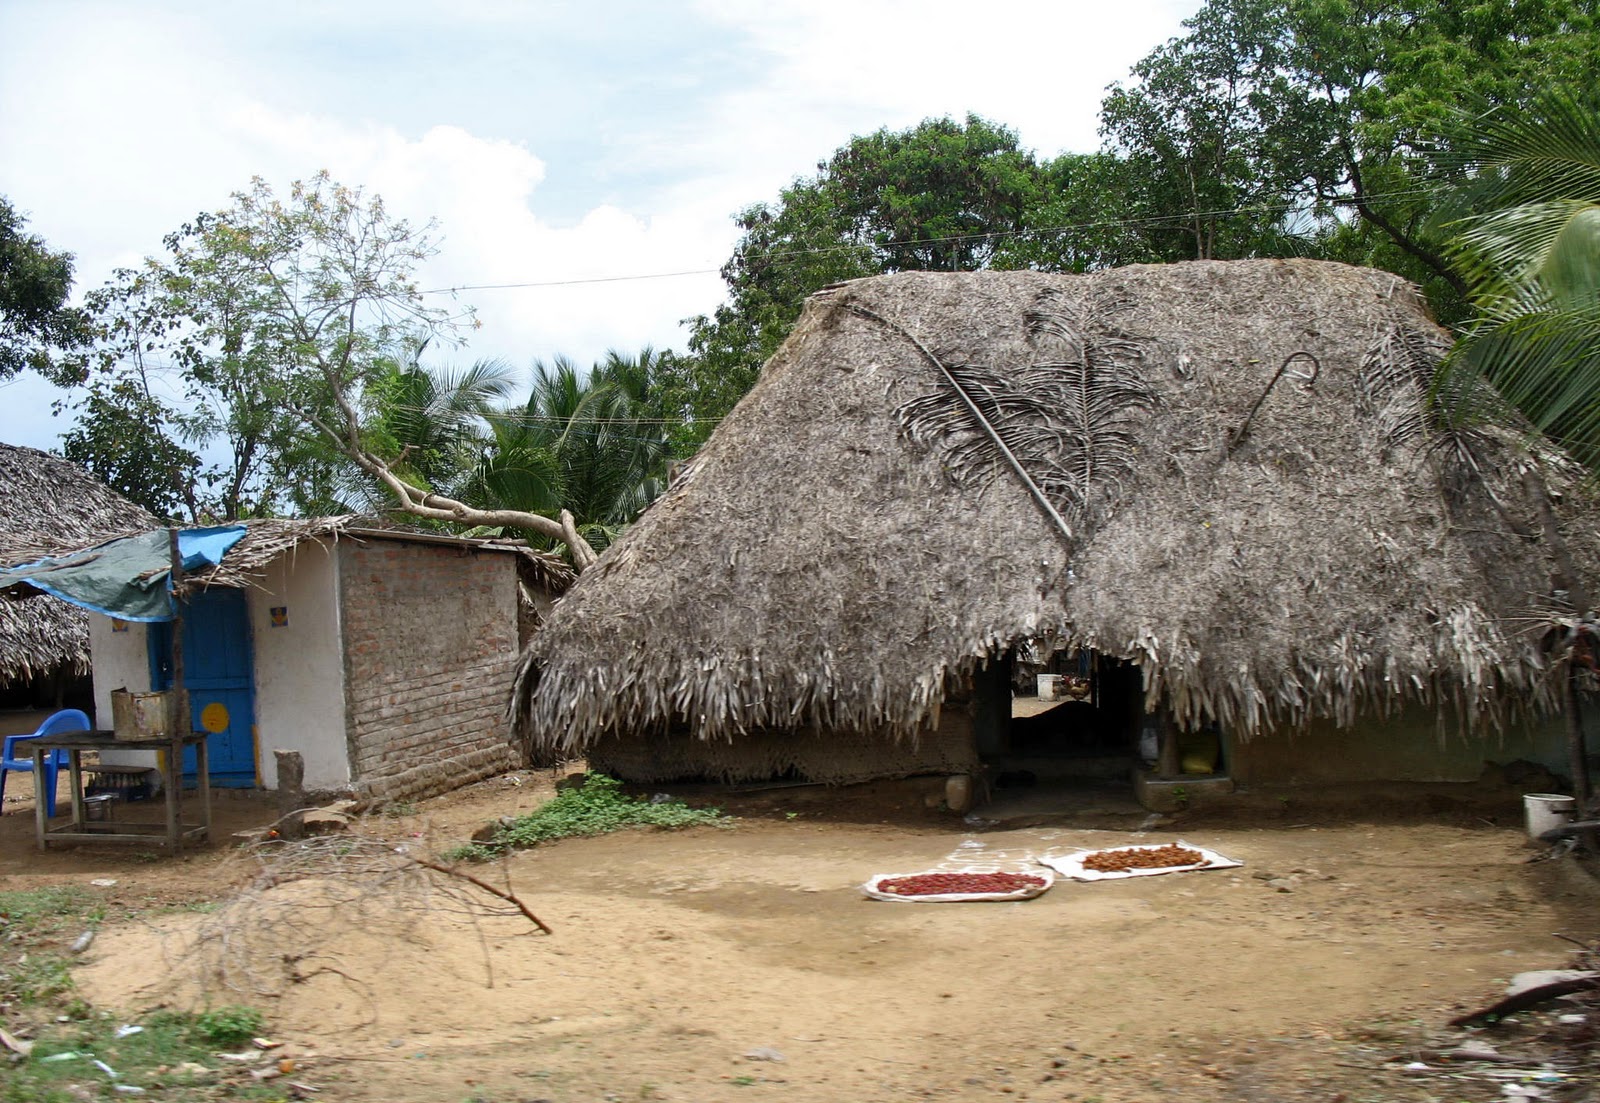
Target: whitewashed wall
[
  {"x": 300, "y": 668},
  {"x": 121, "y": 661}
]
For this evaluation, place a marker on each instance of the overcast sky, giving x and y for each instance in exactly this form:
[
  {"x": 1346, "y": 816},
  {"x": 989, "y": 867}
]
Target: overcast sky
[{"x": 552, "y": 141}]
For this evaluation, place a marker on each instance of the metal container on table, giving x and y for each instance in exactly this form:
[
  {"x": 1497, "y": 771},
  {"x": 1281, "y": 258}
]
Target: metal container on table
[{"x": 143, "y": 715}]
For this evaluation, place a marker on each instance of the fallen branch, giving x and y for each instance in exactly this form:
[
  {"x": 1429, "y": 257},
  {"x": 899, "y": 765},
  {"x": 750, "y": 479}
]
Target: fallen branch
[
  {"x": 510, "y": 898},
  {"x": 1527, "y": 998}
]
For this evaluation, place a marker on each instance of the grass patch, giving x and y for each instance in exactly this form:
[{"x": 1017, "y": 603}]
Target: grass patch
[
  {"x": 171, "y": 1057},
  {"x": 34, "y": 923},
  {"x": 594, "y": 808},
  {"x": 35, "y": 977},
  {"x": 41, "y": 913}
]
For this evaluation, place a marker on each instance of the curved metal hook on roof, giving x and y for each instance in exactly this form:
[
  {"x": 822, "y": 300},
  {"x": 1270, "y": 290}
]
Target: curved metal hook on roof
[{"x": 1307, "y": 380}]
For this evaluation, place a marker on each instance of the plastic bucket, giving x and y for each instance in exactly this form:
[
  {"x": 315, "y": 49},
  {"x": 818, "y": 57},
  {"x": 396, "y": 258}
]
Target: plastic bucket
[
  {"x": 1547, "y": 811},
  {"x": 1048, "y": 685}
]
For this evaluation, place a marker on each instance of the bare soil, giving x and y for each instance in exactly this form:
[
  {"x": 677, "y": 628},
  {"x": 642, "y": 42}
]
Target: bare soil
[{"x": 744, "y": 963}]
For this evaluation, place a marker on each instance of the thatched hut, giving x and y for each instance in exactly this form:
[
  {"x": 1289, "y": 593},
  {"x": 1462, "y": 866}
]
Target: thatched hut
[
  {"x": 1213, "y": 490},
  {"x": 49, "y": 506}
]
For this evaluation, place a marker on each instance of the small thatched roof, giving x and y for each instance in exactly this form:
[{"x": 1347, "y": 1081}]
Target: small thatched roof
[
  {"x": 849, "y": 542},
  {"x": 268, "y": 538},
  {"x": 49, "y": 506}
]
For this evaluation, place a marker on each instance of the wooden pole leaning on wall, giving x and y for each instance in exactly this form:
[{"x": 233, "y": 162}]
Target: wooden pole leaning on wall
[{"x": 180, "y": 710}]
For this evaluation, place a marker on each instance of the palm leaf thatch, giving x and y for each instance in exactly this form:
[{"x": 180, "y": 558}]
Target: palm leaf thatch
[
  {"x": 267, "y": 539},
  {"x": 49, "y": 507},
  {"x": 1256, "y": 506}
]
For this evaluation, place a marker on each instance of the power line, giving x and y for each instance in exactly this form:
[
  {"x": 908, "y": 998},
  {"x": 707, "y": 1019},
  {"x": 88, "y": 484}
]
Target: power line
[{"x": 1174, "y": 219}]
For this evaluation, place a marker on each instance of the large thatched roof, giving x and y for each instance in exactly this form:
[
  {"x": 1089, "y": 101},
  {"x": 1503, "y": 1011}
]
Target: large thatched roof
[
  {"x": 848, "y": 541},
  {"x": 49, "y": 506}
]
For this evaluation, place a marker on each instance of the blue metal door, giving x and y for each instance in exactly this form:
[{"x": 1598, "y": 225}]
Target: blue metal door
[{"x": 219, "y": 673}]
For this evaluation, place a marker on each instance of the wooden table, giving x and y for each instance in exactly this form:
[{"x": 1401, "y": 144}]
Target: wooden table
[{"x": 172, "y": 835}]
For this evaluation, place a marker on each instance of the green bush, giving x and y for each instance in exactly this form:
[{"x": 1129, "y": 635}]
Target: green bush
[
  {"x": 228, "y": 1026},
  {"x": 597, "y": 806}
]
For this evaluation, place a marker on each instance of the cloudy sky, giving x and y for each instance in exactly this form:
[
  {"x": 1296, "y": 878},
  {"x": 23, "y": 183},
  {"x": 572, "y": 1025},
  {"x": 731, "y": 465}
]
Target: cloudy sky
[{"x": 554, "y": 142}]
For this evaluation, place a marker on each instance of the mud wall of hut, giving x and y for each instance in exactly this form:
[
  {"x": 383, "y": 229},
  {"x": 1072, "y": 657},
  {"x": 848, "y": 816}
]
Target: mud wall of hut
[
  {"x": 1414, "y": 745},
  {"x": 430, "y": 640},
  {"x": 833, "y": 758}
]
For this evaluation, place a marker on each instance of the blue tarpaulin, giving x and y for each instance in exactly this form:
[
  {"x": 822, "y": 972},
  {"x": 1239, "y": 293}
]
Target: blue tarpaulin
[{"x": 126, "y": 578}]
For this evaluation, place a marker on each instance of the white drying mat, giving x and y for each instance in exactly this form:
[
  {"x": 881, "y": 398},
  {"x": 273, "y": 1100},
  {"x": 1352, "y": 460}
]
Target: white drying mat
[
  {"x": 1027, "y": 892},
  {"x": 1071, "y": 865}
]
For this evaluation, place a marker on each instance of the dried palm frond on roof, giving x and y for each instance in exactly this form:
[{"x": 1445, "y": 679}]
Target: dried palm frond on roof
[
  {"x": 1269, "y": 544},
  {"x": 49, "y": 506}
]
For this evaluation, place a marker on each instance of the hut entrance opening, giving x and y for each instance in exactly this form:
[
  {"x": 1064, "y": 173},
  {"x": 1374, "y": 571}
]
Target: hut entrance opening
[{"x": 1060, "y": 720}]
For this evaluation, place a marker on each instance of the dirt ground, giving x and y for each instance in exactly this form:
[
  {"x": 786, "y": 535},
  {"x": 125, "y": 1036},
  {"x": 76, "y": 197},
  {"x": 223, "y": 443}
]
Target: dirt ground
[{"x": 743, "y": 962}]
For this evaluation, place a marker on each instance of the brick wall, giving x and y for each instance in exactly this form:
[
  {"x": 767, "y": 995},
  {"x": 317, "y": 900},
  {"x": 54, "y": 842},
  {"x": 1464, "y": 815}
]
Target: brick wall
[{"x": 430, "y": 642}]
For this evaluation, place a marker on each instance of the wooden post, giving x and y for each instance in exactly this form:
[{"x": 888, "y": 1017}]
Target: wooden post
[
  {"x": 180, "y": 714},
  {"x": 1577, "y": 751},
  {"x": 1167, "y": 762},
  {"x": 291, "y": 792}
]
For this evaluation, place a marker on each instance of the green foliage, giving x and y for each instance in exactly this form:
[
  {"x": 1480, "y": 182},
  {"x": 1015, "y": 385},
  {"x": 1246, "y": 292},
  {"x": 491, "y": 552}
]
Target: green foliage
[
  {"x": 1217, "y": 137},
  {"x": 35, "y": 320},
  {"x": 258, "y": 332},
  {"x": 1528, "y": 224},
  {"x": 1083, "y": 219},
  {"x": 933, "y": 197},
  {"x": 149, "y": 1059},
  {"x": 1285, "y": 127},
  {"x": 594, "y": 443},
  {"x": 596, "y": 807},
  {"x": 430, "y": 423},
  {"x": 228, "y": 1026}
]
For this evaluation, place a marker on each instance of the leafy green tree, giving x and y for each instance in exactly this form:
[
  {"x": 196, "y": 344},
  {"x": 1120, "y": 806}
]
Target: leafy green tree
[
  {"x": 1083, "y": 220},
  {"x": 1314, "y": 121},
  {"x": 125, "y": 435},
  {"x": 272, "y": 319},
  {"x": 1390, "y": 75},
  {"x": 430, "y": 420},
  {"x": 939, "y": 196},
  {"x": 35, "y": 283},
  {"x": 1217, "y": 139},
  {"x": 180, "y": 405}
]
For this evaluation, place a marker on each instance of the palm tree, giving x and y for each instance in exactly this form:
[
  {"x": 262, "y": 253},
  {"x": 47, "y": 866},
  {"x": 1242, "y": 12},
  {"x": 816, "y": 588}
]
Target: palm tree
[
  {"x": 582, "y": 442},
  {"x": 429, "y": 421},
  {"x": 1528, "y": 222}
]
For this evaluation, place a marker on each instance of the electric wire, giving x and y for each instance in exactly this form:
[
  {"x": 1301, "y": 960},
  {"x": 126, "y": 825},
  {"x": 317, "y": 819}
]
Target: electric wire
[{"x": 1173, "y": 219}]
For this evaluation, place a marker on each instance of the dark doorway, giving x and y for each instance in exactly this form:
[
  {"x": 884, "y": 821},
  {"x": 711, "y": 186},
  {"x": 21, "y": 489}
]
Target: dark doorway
[{"x": 1096, "y": 714}]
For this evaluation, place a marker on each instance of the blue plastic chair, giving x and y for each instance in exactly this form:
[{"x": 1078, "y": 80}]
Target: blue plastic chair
[{"x": 16, "y": 755}]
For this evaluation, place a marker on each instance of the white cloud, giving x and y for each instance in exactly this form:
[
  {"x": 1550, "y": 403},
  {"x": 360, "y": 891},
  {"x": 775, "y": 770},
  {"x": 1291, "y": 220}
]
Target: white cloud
[{"x": 599, "y": 158}]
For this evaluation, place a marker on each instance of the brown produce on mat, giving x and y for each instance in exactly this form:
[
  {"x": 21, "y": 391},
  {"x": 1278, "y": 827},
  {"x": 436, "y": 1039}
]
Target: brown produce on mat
[
  {"x": 939, "y": 884},
  {"x": 1157, "y": 857}
]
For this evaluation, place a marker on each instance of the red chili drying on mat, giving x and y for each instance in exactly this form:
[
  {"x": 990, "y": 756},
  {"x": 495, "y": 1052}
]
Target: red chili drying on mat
[
  {"x": 938, "y": 884},
  {"x": 1155, "y": 857}
]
